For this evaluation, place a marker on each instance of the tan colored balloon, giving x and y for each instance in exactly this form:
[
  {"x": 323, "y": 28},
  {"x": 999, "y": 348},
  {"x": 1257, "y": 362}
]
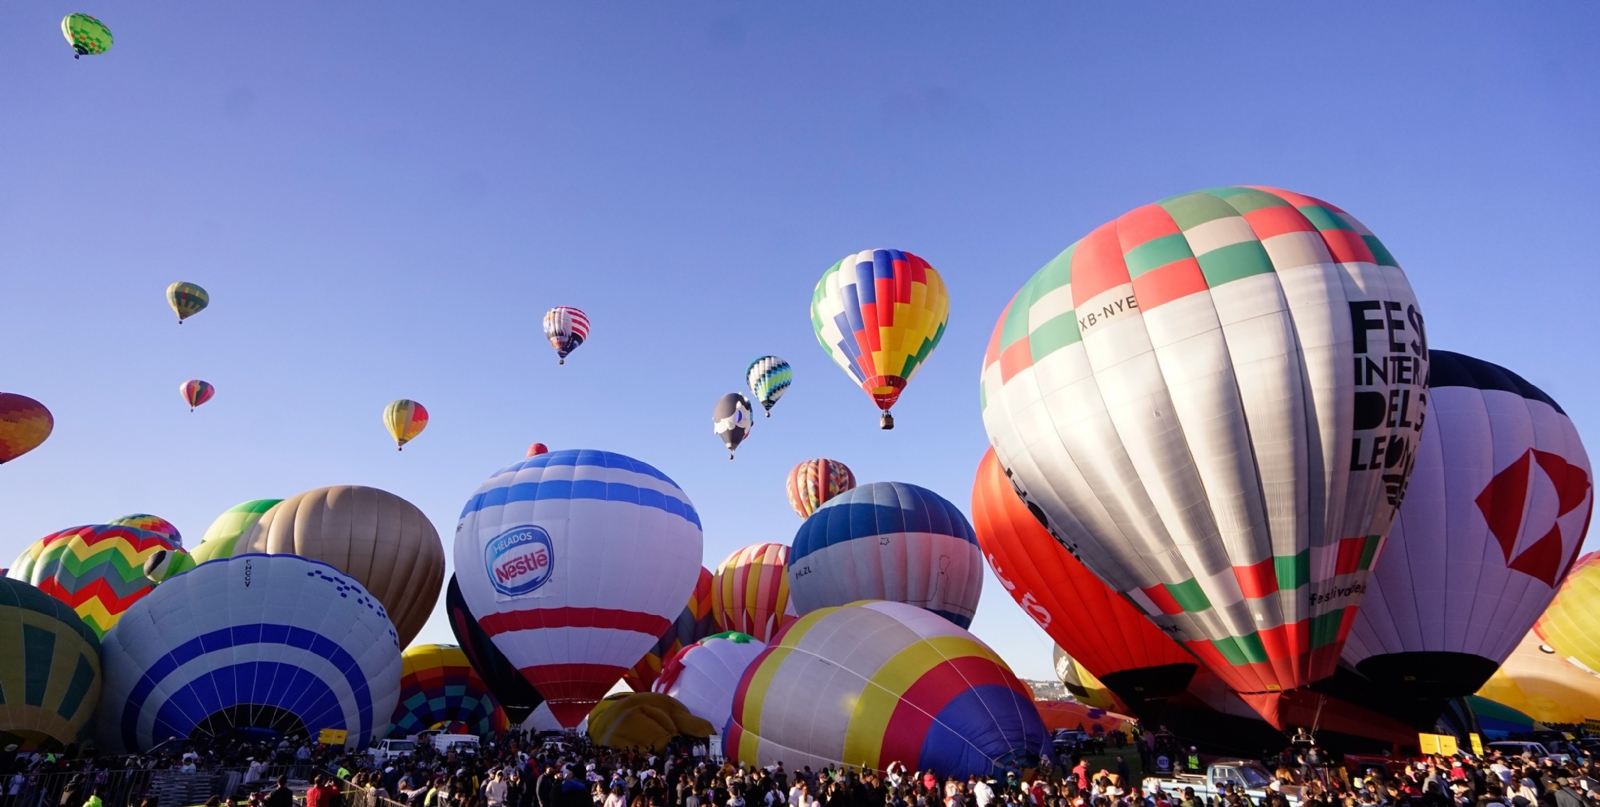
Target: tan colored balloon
[{"x": 378, "y": 538}]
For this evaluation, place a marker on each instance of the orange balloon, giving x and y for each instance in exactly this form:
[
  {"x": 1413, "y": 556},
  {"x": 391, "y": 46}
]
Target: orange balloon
[{"x": 24, "y": 424}]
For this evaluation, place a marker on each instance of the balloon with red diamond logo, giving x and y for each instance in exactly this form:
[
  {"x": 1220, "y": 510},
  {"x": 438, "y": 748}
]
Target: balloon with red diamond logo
[{"x": 1495, "y": 513}]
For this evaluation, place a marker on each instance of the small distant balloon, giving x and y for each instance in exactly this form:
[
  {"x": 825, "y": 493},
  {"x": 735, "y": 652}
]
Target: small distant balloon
[
  {"x": 187, "y": 299},
  {"x": 24, "y": 424},
  {"x": 149, "y": 523},
  {"x": 405, "y": 420},
  {"x": 813, "y": 482},
  {"x": 769, "y": 377},
  {"x": 566, "y": 328},
  {"x": 87, "y": 35},
  {"x": 536, "y": 449},
  {"x": 196, "y": 392},
  {"x": 731, "y": 420}
]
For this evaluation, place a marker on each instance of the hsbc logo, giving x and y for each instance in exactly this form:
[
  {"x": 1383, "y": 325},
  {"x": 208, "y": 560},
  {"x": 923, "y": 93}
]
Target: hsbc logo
[{"x": 1532, "y": 496}]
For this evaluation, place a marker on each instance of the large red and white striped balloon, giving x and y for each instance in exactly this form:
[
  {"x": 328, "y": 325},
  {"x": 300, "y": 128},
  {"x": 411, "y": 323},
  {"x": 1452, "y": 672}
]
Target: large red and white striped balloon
[{"x": 575, "y": 563}]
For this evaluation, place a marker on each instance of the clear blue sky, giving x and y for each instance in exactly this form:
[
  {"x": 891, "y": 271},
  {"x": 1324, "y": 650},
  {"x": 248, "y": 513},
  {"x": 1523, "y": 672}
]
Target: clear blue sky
[{"x": 383, "y": 199}]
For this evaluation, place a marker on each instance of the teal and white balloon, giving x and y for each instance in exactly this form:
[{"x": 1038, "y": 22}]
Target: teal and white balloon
[{"x": 769, "y": 377}]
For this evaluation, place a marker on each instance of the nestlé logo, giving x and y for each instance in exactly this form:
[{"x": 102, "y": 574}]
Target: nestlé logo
[{"x": 519, "y": 560}]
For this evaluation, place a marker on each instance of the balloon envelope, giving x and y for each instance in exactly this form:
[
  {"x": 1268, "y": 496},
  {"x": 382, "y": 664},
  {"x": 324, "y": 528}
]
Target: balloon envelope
[
  {"x": 87, "y": 35},
  {"x": 98, "y": 570},
  {"x": 643, "y": 720},
  {"x": 405, "y": 420},
  {"x": 532, "y": 544},
  {"x": 1571, "y": 626},
  {"x": 704, "y": 675},
  {"x": 879, "y": 314},
  {"x": 274, "y": 642},
  {"x": 440, "y": 690},
  {"x": 872, "y": 683},
  {"x": 566, "y": 328},
  {"x": 1098, "y": 627},
  {"x": 187, "y": 299},
  {"x": 149, "y": 523},
  {"x": 769, "y": 378},
  {"x": 1539, "y": 682},
  {"x": 813, "y": 482},
  {"x": 24, "y": 424},
  {"x": 515, "y": 695},
  {"x": 693, "y": 624},
  {"x": 1495, "y": 512},
  {"x": 1082, "y": 685},
  {"x": 1215, "y": 400},
  {"x": 224, "y": 532},
  {"x": 49, "y": 672},
  {"x": 378, "y": 538},
  {"x": 888, "y": 541},
  {"x": 731, "y": 420},
  {"x": 750, "y": 592},
  {"x": 196, "y": 392}
]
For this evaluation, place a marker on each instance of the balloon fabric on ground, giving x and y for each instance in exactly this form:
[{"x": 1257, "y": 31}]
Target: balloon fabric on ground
[
  {"x": 1099, "y": 628},
  {"x": 693, "y": 624},
  {"x": 872, "y": 683},
  {"x": 24, "y": 425},
  {"x": 1494, "y": 514},
  {"x": 1183, "y": 373},
  {"x": 879, "y": 314},
  {"x": 750, "y": 592},
  {"x": 704, "y": 675},
  {"x": 374, "y": 536},
  {"x": 643, "y": 720},
  {"x": 276, "y": 642},
  {"x": 440, "y": 690},
  {"x": 49, "y": 673},
  {"x": 517, "y": 698},
  {"x": 98, "y": 570},
  {"x": 888, "y": 541},
  {"x": 535, "y": 537}
]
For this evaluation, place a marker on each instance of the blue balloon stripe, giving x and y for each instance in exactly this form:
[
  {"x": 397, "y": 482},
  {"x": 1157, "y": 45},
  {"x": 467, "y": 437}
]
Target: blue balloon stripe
[
  {"x": 880, "y": 508},
  {"x": 593, "y": 489},
  {"x": 240, "y": 635}
]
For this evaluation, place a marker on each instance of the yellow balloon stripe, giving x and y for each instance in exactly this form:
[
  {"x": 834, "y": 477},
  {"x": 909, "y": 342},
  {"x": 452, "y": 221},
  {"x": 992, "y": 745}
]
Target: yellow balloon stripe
[{"x": 870, "y": 720}]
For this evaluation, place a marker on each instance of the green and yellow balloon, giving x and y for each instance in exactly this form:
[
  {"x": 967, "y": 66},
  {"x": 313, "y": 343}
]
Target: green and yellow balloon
[
  {"x": 187, "y": 299},
  {"x": 87, "y": 35}
]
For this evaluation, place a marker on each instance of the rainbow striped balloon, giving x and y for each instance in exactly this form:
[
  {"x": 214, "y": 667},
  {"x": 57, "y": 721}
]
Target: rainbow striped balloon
[
  {"x": 405, "y": 420},
  {"x": 440, "y": 690},
  {"x": 196, "y": 392},
  {"x": 149, "y": 523},
  {"x": 98, "y": 570},
  {"x": 872, "y": 683},
  {"x": 750, "y": 592},
  {"x": 813, "y": 482}
]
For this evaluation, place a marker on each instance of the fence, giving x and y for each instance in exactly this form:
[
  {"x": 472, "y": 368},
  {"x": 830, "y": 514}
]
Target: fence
[{"x": 127, "y": 788}]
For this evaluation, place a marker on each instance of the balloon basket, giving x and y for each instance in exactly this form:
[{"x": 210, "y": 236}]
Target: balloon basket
[{"x": 886, "y": 422}]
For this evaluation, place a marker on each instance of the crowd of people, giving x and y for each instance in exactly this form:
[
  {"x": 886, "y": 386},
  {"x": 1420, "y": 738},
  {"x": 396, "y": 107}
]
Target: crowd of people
[{"x": 522, "y": 770}]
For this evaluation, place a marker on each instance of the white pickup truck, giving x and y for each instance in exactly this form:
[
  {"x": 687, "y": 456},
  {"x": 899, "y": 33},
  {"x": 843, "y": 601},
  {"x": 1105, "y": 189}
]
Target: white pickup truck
[
  {"x": 385, "y": 750},
  {"x": 1251, "y": 777}
]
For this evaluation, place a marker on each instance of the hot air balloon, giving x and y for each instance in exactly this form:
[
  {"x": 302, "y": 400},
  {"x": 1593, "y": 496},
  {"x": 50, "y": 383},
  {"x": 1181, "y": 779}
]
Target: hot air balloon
[
  {"x": 1082, "y": 685},
  {"x": 534, "y": 539},
  {"x": 274, "y": 642},
  {"x": 538, "y": 448},
  {"x": 87, "y": 35},
  {"x": 376, "y": 537},
  {"x": 98, "y": 570},
  {"x": 187, "y": 299},
  {"x": 149, "y": 523},
  {"x": 769, "y": 378},
  {"x": 24, "y": 424},
  {"x": 440, "y": 690},
  {"x": 166, "y": 563},
  {"x": 888, "y": 541},
  {"x": 1538, "y": 681},
  {"x": 1058, "y": 715},
  {"x": 1495, "y": 511},
  {"x": 566, "y": 328},
  {"x": 815, "y": 481},
  {"x": 731, "y": 420},
  {"x": 49, "y": 672},
  {"x": 405, "y": 420},
  {"x": 643, "y": 720},
  {"x": 224, "y": 532},
  {"x": 704, "y": 675},
  {"x": 878, "y": 682},
  {"x": 1571, "y": 625},
  {"x": 1216, "y": 401},
  {"x": 692, "y": 625},
  {"x": 517, "y": 698},
  {"x": 750, "y": 592},
  {"x": 1098, "y": 627},
  {"x": 196, "y": 392},
  {"x": 879, "y": 314}
]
